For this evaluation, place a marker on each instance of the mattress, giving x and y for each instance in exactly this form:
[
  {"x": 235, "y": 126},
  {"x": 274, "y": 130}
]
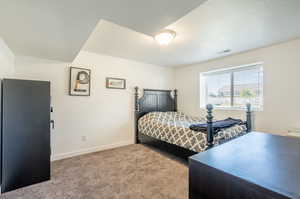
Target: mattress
[{"x": 173, "y": 127}]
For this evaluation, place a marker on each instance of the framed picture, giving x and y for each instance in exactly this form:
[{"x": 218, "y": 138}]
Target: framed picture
[
  {"x": 80, "y": 81},
  {"x": 115, "y": 83}
]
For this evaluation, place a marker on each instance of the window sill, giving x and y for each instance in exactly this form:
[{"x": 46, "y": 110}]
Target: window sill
[{"x": 235, "y": 109}]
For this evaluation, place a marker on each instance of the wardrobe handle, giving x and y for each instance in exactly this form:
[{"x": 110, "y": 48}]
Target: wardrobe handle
[{"x": 52, "y": 123}]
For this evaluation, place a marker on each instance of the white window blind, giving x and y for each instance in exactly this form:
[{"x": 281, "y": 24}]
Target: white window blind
[{"x": 232, "y": 88}]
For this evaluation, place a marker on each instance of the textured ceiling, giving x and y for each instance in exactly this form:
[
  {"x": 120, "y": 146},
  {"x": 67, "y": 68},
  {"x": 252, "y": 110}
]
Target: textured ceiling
[
  {"x": 214, "y": 26},
  {"x": 57, "y": 29}
]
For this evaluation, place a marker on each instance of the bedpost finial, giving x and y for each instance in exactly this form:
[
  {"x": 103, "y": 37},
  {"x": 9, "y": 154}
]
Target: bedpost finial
[
  {"x": 248, "y": 106},
  {"x": 175, "y": 100},
  {"x": 136, "y": 98},
  {"x": 210, "y": 131},
  {"x": 209, "y": 107},
  {"x": 248, "y": 117},
  {"x": 209, "y": 116}
]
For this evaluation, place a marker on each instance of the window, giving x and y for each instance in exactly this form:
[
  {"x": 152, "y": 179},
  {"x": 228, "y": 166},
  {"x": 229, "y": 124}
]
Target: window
[{"x": 233, "y": 88}]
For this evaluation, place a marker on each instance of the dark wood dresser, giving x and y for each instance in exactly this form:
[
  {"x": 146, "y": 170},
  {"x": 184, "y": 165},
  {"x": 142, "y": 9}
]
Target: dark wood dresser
[{"x": 254, "y": 166}]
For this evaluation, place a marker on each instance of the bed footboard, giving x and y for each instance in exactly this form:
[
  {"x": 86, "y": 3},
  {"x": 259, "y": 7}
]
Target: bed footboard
[
  {"x": 248, "y": 118},
  {"x": 210, "y": 130}
]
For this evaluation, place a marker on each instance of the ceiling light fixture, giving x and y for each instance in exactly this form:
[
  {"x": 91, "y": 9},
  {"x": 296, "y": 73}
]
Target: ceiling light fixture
[{"x": 165, "y": 37}]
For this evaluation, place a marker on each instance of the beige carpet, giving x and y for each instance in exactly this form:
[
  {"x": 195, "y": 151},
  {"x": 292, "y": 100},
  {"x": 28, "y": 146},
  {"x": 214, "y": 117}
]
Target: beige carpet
[{"x": 131, "y": 172}]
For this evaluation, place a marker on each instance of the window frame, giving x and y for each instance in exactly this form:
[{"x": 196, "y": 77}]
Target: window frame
[{"x": 203, "y": 97}]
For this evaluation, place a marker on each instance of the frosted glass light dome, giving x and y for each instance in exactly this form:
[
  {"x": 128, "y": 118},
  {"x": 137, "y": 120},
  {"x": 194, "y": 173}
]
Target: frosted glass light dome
[{"x": 165, "y": 37}]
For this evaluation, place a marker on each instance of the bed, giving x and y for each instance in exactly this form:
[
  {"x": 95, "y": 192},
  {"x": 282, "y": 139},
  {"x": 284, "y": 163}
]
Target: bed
[{"x": 158, "y": 123}]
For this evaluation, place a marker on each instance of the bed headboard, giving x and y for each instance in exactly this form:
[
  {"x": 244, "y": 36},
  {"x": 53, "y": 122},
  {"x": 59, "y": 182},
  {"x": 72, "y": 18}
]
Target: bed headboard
[{"x": 154, "y": 100}]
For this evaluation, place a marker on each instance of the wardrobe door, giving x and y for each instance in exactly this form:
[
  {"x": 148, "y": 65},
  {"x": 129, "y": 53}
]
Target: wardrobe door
[
  {"x": 1, "y": 131},
  {"x": 25, "y": 133}
]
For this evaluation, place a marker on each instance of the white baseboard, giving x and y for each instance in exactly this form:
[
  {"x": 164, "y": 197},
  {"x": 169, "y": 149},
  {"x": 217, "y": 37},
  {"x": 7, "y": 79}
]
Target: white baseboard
[
  {"x": 90, "y": 150},
  {"x": 294, "y": 134}
]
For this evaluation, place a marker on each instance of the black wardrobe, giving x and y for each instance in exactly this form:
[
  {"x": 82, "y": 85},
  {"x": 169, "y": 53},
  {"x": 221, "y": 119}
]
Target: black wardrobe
[{"x": 25, "y": 133}]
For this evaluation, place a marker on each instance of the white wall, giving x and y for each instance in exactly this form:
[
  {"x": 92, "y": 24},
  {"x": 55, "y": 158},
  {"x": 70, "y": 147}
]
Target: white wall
[
  {"x": 106, "y": 117},
  {"x": 7, "y": 61},
  {"x": 281, "y": 85}
]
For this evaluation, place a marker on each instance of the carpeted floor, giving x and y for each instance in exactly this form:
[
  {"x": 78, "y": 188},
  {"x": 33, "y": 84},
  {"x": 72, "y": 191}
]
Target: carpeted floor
[{"x": 131, "y": 172}]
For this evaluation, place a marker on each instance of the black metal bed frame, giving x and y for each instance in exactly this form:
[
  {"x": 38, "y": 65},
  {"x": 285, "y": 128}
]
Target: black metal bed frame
[{"x": 162, "y": 101}]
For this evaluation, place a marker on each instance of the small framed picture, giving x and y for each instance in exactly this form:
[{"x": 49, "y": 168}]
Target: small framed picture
[
  {"x": 80, "y": 81},
  {"x": 115, "y": 83}
]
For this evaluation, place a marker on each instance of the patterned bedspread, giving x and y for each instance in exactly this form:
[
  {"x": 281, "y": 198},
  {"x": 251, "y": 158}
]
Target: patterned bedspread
[{"x": 173, "y": 127}]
